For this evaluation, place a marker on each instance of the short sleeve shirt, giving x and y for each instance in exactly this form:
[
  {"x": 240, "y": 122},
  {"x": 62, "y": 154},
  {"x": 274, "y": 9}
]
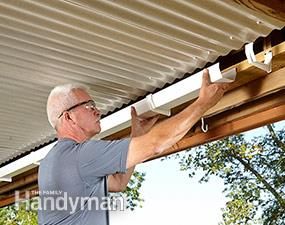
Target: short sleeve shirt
[{"x": 71, "y": 180}]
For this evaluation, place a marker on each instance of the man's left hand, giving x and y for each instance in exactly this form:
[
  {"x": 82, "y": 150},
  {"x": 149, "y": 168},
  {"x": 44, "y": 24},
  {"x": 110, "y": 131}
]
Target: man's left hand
[{"x": 140, "y": 125}]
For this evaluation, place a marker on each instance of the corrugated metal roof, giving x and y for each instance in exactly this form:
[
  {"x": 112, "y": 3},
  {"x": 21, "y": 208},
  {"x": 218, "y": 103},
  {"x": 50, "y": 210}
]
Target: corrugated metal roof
[{"x": 122, "y": 49}]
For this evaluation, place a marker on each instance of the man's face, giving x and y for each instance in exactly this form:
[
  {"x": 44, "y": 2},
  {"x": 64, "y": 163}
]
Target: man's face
[{"x": 86, "y": 116}]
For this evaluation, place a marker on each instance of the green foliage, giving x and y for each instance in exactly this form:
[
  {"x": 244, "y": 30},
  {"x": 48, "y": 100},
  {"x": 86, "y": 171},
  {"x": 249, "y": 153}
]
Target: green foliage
[
  {"x": 253, "y": 173},
  {"x": 11, "y": 215},
  {"x": 132, "y": 193},
  {"x": 238, "y": 211}
]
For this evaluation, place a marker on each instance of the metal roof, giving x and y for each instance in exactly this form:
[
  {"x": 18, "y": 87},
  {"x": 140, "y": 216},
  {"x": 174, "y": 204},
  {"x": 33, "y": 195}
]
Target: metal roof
[{"x": 122, "y": 49}]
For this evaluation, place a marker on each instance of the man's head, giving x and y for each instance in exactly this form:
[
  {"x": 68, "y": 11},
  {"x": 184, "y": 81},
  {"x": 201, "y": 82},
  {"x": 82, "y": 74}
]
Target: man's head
[{"x": 70, "y": 108}]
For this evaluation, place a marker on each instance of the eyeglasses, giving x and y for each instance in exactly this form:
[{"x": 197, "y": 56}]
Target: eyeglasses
[{"x": 90, "y": 104}]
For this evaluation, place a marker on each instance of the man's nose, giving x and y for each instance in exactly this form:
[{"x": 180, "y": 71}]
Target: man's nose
[{"x": 97, "y": 111}]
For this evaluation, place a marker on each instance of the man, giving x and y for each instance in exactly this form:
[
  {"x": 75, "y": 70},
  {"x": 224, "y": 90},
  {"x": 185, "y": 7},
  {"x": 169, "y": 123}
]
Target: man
[{"x": 79, "y": 170}]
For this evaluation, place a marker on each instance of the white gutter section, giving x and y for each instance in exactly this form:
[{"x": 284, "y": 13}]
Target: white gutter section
[
  {"x": 159, "y": 103},
  {"x": 163, "y": 101}
]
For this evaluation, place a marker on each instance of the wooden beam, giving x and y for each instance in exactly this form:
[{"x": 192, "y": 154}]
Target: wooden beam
[
  {"x": 228, "y": 128},
  {"x": 271, "y": 83},
  {"x": 28, "y": 194},
  {"x": 19, "y": 183},
  {"x": 272, "y": 8},
  {"x": 248, "y": 109}
]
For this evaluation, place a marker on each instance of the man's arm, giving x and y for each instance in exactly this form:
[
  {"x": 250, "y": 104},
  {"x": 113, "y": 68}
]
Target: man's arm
[
  {"x": 118, "y": 182},
  {"x": 165, "y": 134}
]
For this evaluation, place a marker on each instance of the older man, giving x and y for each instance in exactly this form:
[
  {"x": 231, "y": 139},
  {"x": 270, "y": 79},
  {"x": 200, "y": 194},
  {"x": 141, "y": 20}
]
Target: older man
[{"x": 78, "y": 171}]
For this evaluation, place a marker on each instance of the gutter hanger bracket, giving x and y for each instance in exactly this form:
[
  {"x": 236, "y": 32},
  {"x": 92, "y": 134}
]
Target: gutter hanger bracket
[
  {"x": 153, "y": 108},
  {"x": 266, "y": 65},
  {"x": 35, "y": 156}
]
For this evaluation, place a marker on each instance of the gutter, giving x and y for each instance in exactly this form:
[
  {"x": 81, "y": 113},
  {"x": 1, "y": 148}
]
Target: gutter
[{"x": 159, "y": 103}]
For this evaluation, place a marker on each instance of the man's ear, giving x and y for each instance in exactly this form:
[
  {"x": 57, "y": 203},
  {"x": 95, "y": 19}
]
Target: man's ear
[{"x": 67, "y": 116}]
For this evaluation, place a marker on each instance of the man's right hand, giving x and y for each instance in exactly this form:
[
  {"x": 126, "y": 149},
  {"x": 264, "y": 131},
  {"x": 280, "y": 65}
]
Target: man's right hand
[
  {"x": 168, "y": 132},
  {"x": 210, "y": 93}
]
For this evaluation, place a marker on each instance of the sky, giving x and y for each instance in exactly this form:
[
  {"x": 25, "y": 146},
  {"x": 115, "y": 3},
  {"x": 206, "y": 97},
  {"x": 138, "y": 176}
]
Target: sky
[{"x": 171, "y": 197}]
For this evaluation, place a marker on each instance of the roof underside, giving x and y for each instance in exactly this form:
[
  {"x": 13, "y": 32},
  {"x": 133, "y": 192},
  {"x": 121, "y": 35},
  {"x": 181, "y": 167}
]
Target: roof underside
[{"x": 122, "y": 49}]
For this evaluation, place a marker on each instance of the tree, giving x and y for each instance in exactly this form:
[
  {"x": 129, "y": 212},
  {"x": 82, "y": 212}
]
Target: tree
[
  {"x": 11, "y": 215},
  {"x": 132, "y": 193},
  {"x": 253, "y": 172}
]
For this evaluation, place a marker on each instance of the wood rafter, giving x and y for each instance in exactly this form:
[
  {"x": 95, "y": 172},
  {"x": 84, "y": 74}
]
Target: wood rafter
[
  {"x": 246, "y": 93},
  {"x": 272, "y": 8}
]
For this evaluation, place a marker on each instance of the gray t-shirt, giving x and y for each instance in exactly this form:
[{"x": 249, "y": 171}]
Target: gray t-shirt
[{"x": 72, "y": 181}]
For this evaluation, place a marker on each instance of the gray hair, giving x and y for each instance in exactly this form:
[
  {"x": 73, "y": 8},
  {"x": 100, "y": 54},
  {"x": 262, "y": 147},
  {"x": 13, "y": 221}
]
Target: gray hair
[{"x": 60, "y": 99}]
